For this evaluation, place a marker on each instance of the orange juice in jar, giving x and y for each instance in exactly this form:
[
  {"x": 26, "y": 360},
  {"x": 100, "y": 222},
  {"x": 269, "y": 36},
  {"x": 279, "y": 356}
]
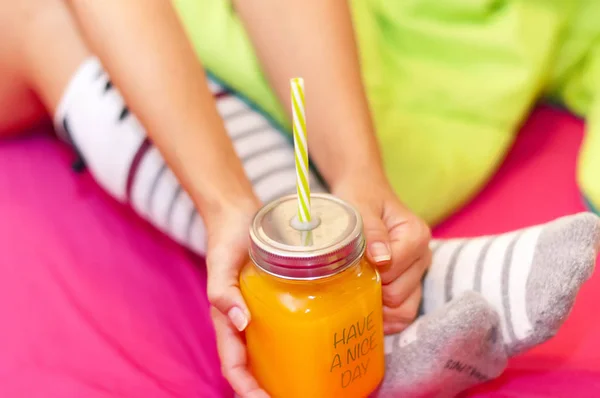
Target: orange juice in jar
[{"x": 316, "y": 306}]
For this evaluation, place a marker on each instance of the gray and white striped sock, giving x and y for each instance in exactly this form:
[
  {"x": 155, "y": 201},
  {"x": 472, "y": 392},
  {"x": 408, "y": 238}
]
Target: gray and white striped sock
[
  {"x": 530, "y": 276},
  {"x": 93, "y": 117}
]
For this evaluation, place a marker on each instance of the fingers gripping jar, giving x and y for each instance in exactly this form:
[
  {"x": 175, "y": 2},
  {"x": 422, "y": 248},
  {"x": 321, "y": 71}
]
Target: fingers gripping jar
[{"x": 316, "y": 306}]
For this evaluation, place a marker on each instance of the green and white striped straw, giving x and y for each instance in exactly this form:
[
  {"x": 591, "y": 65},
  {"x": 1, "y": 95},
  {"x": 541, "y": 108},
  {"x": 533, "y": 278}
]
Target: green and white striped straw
[{"x": 301, "y": 150}]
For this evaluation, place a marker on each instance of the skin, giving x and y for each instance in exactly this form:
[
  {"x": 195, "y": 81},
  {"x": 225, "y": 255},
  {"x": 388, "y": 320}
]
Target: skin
[
  {"x": 287, "y": 36},
  {"x": 35, "y": 34},
  {"x": 155, "y": 35},
  {"x": 180, "y": 117}
]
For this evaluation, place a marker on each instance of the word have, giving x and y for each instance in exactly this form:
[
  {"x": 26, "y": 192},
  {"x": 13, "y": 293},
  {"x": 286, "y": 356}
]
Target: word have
[{"x": 356, "y": 341}]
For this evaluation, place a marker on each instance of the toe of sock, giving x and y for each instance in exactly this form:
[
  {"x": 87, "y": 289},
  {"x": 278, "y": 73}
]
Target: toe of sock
[
  {"x": 568, "y": 248},
  {"x": 564, "y": 259},
  {"x": 583, "y": 228}
]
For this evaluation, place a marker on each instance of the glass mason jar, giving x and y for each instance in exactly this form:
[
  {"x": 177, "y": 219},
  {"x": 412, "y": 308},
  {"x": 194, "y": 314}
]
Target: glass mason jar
[{"x": 317, "y": 324}]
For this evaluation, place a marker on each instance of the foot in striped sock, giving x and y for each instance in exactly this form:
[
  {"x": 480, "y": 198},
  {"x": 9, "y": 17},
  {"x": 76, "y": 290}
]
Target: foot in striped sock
[
  {"x": 446, "y": 351},
  {"x": 93, "y": 117},
  {"x": 530, "y": 277}
]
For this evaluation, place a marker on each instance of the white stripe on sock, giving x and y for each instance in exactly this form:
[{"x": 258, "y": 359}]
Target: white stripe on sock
[
  {"x": 142, "y": 182},
  {"x": 434, "y": 244},
  {"x": 273, "y": 160},
  {"x": 248, "y": 121},
  {"x": 464, "y": 273},
  {"x": 436, "y": 278},
  {"x": 102, "y": 138},
  {"x": 76, "y": 89},
  {"x": 260, "y": 140},
  {"x": 491, "y": 279},
  {"x": 276, "y": 184},
  {"x": 166, "y": 187},
  {"x": 180, "y": 216},
  {"x": 231, "y": 105},
  {"x": 409, "y": 335},
  {"x": 388, "y": 344},
  {"x": 517, "y": 289},
  {"x": 198, "y": 236}
]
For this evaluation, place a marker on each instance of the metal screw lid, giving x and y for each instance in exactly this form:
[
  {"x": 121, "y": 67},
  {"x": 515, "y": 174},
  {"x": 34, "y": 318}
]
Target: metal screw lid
[{"x": 281, "y": 249}]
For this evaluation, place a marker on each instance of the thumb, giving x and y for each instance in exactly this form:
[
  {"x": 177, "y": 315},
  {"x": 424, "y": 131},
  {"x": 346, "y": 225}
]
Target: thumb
[
  {"x": 378, "y": 242},
  {"x": 223, "y": 289}
]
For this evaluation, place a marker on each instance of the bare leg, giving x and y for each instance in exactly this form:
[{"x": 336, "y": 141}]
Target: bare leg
[
  {"x": 40, "y": 49},
  {"x": 19, "y": 107}
]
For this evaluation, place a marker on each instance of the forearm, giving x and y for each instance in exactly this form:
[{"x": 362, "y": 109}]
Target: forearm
[
  {"x": 143, "y": 47},
  {"x": 314, "y": 39}
]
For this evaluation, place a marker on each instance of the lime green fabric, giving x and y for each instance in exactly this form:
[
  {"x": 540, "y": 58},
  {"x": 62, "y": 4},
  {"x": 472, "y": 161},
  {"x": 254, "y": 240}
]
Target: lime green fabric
[
  {"x": 576, "y": 83},
  {"x": 583, "y": 91},
  {"x": 449, "y": 82}
]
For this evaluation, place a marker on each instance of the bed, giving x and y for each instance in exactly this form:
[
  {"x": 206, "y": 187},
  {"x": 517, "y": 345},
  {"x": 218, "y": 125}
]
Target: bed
[{"x": 95, "y": 303}]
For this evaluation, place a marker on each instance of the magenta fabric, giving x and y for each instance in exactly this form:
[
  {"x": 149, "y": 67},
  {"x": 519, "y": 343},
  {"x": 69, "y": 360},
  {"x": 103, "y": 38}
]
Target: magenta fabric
[{"x": 95, "y": 303}]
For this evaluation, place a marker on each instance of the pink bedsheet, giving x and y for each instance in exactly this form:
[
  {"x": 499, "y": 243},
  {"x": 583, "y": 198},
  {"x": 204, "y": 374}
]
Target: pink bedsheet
[{"x": 94, "y": 303}]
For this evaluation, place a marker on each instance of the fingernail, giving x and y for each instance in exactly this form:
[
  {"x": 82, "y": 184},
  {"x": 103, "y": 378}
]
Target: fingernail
[
  {"x": 238, "y": 318},
  {"x": 380, "y": 252}
]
